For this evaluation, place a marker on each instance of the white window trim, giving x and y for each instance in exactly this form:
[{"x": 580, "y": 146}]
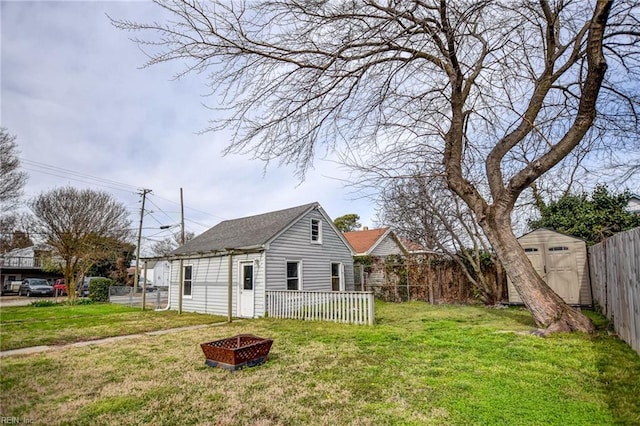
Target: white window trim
[
  {"x": 286, "y": 277},
  {"x": 187, "y": 296},
  {"x": 319, "y": 240},
  {"x": 341, "y": 283}
]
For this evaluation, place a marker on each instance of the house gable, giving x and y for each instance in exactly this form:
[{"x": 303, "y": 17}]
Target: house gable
[
  {"x": 633, "y": 205},
  {"x": 252, "y": 232},
  {"x": 294, "y": 245},
  {"x": 375, "y": 242}
]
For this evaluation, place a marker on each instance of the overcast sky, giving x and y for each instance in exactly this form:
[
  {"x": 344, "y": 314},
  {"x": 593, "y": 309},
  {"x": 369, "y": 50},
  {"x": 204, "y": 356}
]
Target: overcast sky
[{"x": 75, "y": 96}]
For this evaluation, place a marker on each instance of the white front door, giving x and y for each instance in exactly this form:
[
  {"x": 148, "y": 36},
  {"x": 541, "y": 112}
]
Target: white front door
[{"x": 245, "y": 301}]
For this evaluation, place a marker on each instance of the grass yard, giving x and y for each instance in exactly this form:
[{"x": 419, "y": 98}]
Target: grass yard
[
  {"x": 24, "y": 326},
  {"x": 420, "y": 365}
]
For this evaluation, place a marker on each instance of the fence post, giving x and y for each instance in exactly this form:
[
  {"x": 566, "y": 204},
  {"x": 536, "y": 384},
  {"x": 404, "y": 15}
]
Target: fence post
[{"x": 371, "y": 308}]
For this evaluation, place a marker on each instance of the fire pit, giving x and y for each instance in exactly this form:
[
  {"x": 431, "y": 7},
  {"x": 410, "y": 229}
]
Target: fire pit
[{"x": 234, "y": 353}]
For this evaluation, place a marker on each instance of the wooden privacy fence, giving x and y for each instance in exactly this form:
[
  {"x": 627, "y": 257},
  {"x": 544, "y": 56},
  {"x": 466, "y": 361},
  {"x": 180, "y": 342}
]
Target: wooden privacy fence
[
  {"x": 615, "y": 281},
  {"x": 354, "y": 307}
]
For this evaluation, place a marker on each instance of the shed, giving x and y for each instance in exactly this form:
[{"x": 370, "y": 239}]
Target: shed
[{"x": 561, "y": 261}]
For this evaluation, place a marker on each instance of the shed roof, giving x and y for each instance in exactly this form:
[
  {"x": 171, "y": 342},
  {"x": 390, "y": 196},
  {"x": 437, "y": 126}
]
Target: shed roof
[
  {"x": 549, "y": 230},
  {"x": 244, "y": 233}
]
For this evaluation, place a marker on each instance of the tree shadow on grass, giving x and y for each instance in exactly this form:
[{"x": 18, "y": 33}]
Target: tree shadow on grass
[
  {"x": 619, "y": 377},
  {"x": 518, "y": 314}
]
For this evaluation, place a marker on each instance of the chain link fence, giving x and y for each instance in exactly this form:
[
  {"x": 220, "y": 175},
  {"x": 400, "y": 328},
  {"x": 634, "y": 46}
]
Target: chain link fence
[{"x": 154, "y": 298}]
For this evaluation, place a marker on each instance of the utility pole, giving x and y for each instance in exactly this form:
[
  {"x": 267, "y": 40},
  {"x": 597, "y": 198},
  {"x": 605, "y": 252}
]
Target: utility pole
[
  {"x": 181, "y": 272},
  {"x": 181, "y": 219},
  {"x": 136, "y": 277}
]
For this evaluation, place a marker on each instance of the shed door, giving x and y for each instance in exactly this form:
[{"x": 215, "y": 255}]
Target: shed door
[
  {"x": 562, "y": 273},
  {"x": 246, "y": 283},
  {"x": 536, "y": 257}
]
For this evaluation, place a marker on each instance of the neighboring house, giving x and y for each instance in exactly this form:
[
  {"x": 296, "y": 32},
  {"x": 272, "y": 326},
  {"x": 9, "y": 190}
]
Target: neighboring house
[
  {"x": 160, "y": 273},
  {"x": 633, "y": 205},
  {"x": 377, "y": 244},
  {"x": 561, "y": 261},
  {"x": 28, "y": 262},
  {"x": 229, "y": 268}
]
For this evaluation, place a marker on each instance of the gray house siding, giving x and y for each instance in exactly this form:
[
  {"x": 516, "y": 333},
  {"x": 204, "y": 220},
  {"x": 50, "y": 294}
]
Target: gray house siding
[
  {"x": 209, "y": 288},
  {"x": 386, "y": 247},
  {"x": 295, "y": 245}
]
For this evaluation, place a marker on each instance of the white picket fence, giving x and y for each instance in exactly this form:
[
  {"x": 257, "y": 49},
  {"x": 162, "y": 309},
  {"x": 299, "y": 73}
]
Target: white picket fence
[{"x": 353, "y": 307}]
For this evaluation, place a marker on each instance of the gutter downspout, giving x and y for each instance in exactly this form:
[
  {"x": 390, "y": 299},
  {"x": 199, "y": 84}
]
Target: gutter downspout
[{"x": 180, "y": 286}]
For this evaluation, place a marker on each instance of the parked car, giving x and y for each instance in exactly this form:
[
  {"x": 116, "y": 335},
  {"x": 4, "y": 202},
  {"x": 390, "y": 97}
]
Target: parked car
[
  {"x": 149, "y": 287},
  {"x": 60, "y": 287},
  {"x": 10, "y": 287},
  {"x": 35, "y": 287}
]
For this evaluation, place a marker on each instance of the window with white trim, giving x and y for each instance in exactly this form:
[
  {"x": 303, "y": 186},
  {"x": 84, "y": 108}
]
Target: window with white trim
[
  {"x": 316, "y": 231},
  {"x": 335, "y": 277},
  {"x": 187, "y": 280},
  {"x": 293, "y": 275}
]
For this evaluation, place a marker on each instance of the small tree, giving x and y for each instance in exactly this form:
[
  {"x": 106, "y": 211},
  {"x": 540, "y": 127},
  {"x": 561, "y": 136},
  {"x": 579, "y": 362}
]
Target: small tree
[
  {"x": 115, "y": 265},
  {"x": 590, "y": 217},
  {"x": 99, "y": 289},
  {"x": 12, "y": 180},
  {"x": 14, "y": 232},
  {"x": 82, "y": 225},
  {"x": 422, "y": 209},
  {"x": 169, "y": 244},
  {"x": 348, "y": 222}
]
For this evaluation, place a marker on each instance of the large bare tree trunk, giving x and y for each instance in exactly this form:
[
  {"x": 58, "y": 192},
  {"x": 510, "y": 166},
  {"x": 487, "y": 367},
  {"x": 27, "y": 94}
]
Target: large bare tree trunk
[{"x": 549, "y": 310}]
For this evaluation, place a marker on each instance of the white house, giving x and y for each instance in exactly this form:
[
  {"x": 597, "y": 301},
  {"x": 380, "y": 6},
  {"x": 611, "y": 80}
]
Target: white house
[
  {"x": 228, "y": 269},
  {"x": 633, "y": 205}
]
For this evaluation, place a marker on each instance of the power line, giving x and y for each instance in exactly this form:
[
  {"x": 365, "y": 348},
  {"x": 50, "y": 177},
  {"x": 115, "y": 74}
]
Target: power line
[
  {"x": 52, "y": 170},
  {"x": 198, "y": 223},
  {"x": 160, "y": 209},
  {"x": 191, "y": 208}
]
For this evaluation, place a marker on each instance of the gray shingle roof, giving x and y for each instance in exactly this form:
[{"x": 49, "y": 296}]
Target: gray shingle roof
[{"x": 243, "y": 233}]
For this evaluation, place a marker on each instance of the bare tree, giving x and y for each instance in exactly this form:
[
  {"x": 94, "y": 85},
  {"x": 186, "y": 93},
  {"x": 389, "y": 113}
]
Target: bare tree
[
  {"x": 169, "y": 244},
  {"x": 499, "y": 93},
  {"x": 422, "y": 209},
  {"x": 12, "y": 180},
  {"x": 83, "y": 226},
  {"x": 14, "y": 232}
]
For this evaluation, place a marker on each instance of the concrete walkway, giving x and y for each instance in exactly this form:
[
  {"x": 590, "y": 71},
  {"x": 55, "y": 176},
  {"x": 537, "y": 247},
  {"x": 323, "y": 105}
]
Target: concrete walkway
[{"x": 45, "y": 348}]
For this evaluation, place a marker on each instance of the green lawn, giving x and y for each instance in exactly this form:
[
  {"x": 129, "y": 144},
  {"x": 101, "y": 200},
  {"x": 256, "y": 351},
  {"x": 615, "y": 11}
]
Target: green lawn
[
  {"x": 419, "y": 365},
  {"x": 24, "y": 326}
]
